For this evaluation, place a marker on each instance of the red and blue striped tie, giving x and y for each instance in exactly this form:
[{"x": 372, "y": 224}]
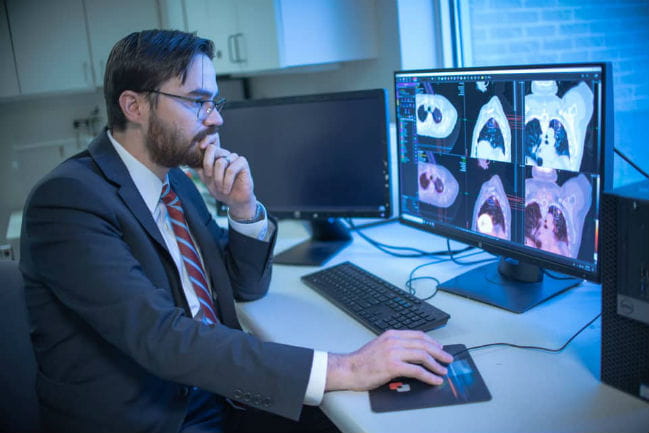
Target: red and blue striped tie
[{"x": 189, "y": 253}]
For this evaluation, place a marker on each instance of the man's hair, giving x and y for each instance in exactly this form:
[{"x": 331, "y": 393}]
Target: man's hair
[{"x": 143, "y": 61}]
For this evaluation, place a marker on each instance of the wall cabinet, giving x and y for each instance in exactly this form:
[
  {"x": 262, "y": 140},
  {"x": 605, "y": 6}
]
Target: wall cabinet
[
  {"x": 50, "y": 45},
  {"x": 261, "y": 35},
  {"x": 8, "y": 78},
  {"x": 63, "y": 45},
  {"x": 110, "y": 21}
]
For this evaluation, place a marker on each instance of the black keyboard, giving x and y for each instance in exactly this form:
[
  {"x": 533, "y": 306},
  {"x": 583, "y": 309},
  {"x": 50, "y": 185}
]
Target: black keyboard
[{"x": 373, "y": 301}]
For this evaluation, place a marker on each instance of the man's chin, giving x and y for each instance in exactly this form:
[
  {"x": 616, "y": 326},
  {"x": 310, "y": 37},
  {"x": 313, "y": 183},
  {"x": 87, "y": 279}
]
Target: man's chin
[{"x": 194, "y": 159}]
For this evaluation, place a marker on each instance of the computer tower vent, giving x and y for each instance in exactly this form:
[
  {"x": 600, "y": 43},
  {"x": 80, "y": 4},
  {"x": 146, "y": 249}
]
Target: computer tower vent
[{"x": 625, "y": 341}]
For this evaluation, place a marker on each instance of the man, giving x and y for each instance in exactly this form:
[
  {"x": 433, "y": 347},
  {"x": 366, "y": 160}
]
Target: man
[{"x": 131, "y": 285}]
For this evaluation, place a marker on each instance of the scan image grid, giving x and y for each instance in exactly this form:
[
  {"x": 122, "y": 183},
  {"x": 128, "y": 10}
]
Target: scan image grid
[{"x": 510, "y": 159}]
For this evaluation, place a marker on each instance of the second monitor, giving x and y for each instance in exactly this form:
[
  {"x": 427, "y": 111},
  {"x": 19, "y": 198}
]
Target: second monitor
[{"x": 318, "y": 158}]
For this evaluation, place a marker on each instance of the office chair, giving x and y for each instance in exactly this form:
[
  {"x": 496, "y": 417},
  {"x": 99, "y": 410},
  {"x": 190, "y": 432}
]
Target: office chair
[{"x": 19, "y": 410}]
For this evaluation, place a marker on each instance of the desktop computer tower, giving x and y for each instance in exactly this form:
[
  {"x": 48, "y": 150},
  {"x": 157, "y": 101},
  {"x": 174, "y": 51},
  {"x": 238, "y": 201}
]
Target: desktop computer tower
[{"x": 624, "y": 232}]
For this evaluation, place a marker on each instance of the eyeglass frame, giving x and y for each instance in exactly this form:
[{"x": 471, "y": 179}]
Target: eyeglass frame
[{"x": 217, "y": 104}]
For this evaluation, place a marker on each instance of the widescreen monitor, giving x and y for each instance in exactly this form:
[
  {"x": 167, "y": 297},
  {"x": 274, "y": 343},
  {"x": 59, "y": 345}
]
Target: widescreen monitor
[
  {"x": 318, "y": 158},
  {"x": 511, "y": 159}
]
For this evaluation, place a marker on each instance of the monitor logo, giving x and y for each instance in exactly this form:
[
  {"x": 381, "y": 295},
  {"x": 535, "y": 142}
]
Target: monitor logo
[{"x": 399, "y": 387}]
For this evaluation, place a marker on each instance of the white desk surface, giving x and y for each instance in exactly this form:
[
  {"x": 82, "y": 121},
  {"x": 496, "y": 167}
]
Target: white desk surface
[{"x": 532, "y": 391}]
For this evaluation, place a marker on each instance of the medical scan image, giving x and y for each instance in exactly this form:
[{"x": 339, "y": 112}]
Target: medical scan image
[
  {"x": 554, "y": 215},
  {"x": 492, "y": 136},
  {"x": 491, "y": 213},
  {"x": 436, "y": 116},
  {"x": 436, "y": 185},
  {"x": 555, "y": 127}
]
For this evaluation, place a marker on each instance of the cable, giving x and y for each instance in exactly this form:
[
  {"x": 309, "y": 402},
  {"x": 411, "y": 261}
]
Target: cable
[
  {"x": 545, "y": 349},
  {"x": 633, "y": 164},
  {"x": 556, "y": 277},
  {"x": 415, "y": 251},
  {"x": 412, "y": 278},
  {"x": 454, "y": 260}
]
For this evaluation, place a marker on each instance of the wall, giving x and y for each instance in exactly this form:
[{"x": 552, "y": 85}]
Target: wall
[
  {"x": 32, "y": 124},
  {"x": 542, "y": 31}
]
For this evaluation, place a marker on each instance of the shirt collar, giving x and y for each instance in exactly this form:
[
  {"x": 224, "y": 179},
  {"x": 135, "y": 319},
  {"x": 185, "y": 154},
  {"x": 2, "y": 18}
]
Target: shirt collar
[{"x": 147, "y": 183}]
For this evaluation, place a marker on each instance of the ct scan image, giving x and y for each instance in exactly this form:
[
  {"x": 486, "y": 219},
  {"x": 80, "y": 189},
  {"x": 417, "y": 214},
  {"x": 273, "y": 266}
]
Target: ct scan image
[
  {"x": 490, "y": 184},
  {"x": 557, "y": 117},
  {"x": 440, "y": 181},
  {"x": 491, "y": 212},
  {"x": 437, "y": 119},
  {"x": 555, "y": 210},
  {"x": 491, "y": 135}
]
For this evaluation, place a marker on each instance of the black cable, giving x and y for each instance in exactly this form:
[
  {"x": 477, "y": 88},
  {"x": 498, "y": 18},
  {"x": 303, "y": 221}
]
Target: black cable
[
  {"x": 454, "y": 260},
  {"x": 556, "y": 277},
  {"x": 545, "y": 349},
  {"x": 633, "y": 164},
  {"x": 415, "y": 251},
  {"x": 412, "y": 278}
]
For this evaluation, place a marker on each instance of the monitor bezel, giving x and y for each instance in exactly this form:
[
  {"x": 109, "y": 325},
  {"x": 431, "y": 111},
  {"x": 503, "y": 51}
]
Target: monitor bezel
[
  {"x": 324, "y": 213},
  {"x": 497, "y": 247}
]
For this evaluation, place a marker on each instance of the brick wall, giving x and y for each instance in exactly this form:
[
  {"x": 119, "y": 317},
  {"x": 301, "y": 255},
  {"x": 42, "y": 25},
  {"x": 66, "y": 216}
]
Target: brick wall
[{"x": 550, "y": 31}]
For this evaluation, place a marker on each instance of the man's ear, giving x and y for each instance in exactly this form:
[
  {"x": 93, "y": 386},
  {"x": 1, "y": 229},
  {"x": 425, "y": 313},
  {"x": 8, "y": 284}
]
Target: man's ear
[{"x": 135, "y": 106}]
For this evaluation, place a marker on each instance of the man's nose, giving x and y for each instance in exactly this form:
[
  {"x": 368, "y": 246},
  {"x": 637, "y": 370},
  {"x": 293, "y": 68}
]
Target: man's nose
[{"x": 214, "y": 118}]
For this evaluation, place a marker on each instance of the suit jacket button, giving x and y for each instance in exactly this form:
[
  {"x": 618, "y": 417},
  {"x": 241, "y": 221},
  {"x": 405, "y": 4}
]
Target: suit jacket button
[
  {"x": 266, "y": 402},
  {"x": 238, "y": 393},
  {"x": 256, "y": 399},
  {"x": 246, "y": 397}
]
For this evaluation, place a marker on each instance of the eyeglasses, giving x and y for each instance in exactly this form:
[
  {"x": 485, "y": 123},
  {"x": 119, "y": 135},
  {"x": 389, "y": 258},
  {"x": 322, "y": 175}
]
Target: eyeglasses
[{"x": 204, "y": 106}]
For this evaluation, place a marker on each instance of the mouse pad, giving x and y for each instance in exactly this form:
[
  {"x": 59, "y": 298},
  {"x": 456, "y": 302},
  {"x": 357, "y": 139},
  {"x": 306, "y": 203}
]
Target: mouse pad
[{"x": 462, "y": 384}]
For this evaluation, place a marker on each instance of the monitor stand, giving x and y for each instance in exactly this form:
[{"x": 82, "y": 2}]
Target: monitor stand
[
  {"x": 508, "y": 284},
  {"x": 328, "y": 237}
]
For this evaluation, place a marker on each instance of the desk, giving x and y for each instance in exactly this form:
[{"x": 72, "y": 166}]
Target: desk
[{"x": 531, "y": 390}]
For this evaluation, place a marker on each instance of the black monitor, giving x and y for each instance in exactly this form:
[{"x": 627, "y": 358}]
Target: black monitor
[
  {"x": 511, "y": 159},
  {"x": 318, "y": 158}
]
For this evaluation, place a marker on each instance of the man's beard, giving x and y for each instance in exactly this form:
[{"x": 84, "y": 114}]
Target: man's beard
[{"x": 168, "y": 148}]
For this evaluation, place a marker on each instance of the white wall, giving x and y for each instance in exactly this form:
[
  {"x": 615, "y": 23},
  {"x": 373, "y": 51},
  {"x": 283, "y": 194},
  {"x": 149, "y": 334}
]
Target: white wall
[{"x": 35, "y": 122}]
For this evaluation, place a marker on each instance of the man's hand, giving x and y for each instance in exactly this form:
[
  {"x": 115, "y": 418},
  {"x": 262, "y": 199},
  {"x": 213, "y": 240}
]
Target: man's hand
[
  {"x": 392, "y": 354},
  {"x": 227, "y": 177}
]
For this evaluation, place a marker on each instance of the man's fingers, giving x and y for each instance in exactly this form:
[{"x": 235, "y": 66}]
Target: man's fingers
[
  {"x": 417, "y": 340},
  {"x": 421, "y": 373}
]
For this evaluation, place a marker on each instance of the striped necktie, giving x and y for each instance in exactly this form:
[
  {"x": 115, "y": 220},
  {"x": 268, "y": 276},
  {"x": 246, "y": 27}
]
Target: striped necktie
[{"x": 189, "y": 253}]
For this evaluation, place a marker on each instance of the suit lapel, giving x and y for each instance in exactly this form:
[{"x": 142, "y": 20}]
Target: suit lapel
[{"x": 114, "y": 169}]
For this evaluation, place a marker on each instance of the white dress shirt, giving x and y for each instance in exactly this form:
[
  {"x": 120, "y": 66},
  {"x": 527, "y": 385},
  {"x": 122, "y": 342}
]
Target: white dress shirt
[{"x": 150, "y": 187}]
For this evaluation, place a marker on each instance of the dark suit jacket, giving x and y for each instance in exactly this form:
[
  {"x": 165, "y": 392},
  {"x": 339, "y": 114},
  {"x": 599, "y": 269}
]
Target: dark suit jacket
[{"x": 115, "y": 343}]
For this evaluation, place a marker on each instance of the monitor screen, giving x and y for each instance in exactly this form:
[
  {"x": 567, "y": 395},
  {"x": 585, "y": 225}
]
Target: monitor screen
[
  {"x": 512, "y": 159},
  {"x": 315, "y": 157}
]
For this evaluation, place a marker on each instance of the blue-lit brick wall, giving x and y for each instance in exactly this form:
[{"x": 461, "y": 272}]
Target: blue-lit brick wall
[{"x": 550, "y": 31}]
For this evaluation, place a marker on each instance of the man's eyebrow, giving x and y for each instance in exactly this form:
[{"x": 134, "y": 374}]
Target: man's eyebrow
[{"x": 204, "y": 93}]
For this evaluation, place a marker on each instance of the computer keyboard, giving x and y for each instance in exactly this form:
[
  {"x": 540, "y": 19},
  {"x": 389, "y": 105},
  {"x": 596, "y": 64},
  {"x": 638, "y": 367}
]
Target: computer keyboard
[{"x": 373, "y": 301}]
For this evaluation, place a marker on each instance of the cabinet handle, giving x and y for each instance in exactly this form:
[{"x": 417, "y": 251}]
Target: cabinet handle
[
  {"x": 85, "y": 72},
  {"x": 231, "y": 49},
  {"x": 236, "y": 46}
]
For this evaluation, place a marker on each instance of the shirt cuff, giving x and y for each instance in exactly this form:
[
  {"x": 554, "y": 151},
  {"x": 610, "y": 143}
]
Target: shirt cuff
[
  {"x": 257, "y": 230},
  {"x": 317, "y": 380}
]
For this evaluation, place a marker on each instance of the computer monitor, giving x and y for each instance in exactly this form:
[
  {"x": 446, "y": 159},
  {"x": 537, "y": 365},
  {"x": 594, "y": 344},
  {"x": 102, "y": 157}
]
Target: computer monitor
[
  {"x": 318, "y": 158},
  {"x": 511, "y": 159}
]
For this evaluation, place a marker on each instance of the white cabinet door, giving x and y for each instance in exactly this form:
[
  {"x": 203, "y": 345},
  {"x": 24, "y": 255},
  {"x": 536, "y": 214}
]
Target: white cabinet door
[
  {"x": 111, "y": 20},
  {"x": 325, "y": 31},
  {"x": 261, "y": 35},
  {"x": 51, "y": 45},
  {"x": 216, "y": 20},
  {"x": 8, "y": 78},
  {"x": 257, "y": 40}
]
